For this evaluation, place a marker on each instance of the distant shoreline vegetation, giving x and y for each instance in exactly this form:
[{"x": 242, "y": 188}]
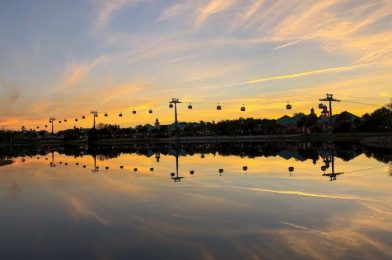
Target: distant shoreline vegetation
[
  {"x": 377, "y": 122},
  {"x": 299, "y": 150}
]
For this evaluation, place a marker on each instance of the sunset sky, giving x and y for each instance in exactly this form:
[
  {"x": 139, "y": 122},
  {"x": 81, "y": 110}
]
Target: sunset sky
[{"x": 66, "y": 58}]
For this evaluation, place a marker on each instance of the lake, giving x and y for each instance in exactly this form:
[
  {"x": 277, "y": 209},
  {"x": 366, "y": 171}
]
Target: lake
[{"x": 201, "y": 201}]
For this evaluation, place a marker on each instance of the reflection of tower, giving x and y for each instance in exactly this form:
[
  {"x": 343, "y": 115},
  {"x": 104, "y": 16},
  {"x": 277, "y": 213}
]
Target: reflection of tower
[
  {"x": 96, "y": 168},
  {"x": 329, "y": 161},
  {"x": 157, "y": 156},
  {"x": 175, "y": 176},
  {"x": 52, "y": 164}
]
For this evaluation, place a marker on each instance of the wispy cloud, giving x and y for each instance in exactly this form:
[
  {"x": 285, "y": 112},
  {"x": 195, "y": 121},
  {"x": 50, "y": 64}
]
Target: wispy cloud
[
  {"x": 10, "y": 95},
  {"x": 211, "y": 8},
  {"x": 306, "y": 194},
  {"x": 355, "y": 31},
  {"x": 12, "y": 92},
  {"x": 123, "y": 91},
  {"x": 75, "y": 72},
  {"x": 109, "y": 7},
  {"x": 173, "y": 11},
  {"x": 290, "y": 43},
  {"x": 307, "y": 73},
  {"x": 252, "y": 9},
  {"x": 79, "y": 209}
]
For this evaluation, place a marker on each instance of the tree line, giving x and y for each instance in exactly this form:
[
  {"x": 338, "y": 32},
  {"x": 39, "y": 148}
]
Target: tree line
[{"x": 380, "y": 120}]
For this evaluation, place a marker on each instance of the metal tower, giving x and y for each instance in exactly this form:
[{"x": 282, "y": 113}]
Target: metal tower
[
  {"x": 330, "y": 99},
  {"x": 174, "y": 103}
]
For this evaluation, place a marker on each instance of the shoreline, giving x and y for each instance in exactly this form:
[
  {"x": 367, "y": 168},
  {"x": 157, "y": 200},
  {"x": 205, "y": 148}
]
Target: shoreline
[
  {"x": 381, "y": 140},
  {"x": 6, "y": 162}
]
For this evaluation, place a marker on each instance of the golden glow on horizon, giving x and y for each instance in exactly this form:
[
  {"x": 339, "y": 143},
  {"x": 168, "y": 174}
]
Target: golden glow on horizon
[{"x": 199, "y": 112}]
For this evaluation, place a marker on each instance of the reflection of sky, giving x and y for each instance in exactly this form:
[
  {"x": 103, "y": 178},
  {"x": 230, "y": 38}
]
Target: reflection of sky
[
  {"x": 69, "y": 57},
  {"x": 70, "y": 211}
]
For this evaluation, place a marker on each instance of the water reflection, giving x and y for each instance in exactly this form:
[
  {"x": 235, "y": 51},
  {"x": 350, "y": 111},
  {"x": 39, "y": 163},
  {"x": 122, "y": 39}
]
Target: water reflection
[
  {"x": 326, "y": 152},
  {"x": 174, "y": 175},
  {"x": 329, "y": 161},
  {"x": 298, "y": 151},
  {"x": 223, "y": 201}
]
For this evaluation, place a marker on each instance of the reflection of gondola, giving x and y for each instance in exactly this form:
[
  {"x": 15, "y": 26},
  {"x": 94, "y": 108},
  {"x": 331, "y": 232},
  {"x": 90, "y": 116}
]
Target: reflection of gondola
[
  {"x": 220, "y": 172},
  {"x": 157, "y": 156}
]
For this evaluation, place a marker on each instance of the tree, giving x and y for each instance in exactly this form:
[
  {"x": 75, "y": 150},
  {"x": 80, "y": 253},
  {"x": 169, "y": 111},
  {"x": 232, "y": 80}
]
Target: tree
[
  {"x": 379, "y": 120},
  {"x": 308, "y": 121},
  {"x": 344, "y": 122}
]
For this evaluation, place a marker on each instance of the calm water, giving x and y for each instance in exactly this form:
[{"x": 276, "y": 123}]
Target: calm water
[{"x": 55, "y": 204}]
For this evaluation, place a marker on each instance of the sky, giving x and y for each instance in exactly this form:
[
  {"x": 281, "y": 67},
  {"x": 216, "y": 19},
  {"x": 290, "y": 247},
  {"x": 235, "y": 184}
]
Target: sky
[{"x": 67, "y": 58}]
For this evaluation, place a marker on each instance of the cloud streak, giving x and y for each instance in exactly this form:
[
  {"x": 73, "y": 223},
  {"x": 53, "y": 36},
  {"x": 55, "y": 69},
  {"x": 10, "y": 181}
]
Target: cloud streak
[
  {"x": 307, "y": 73},
  {"x": 10, "y": 95},
  {"x": 211, "y": 8},
  {"x": 79, "y": 209},
  {"x": 76, "y": 72},
  {"x": 306, "y": 194},
  {"x": 108, "y": 8}
]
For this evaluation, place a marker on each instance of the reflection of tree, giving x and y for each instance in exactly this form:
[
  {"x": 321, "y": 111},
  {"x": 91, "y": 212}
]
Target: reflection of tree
[
  {"x": 299, "y": 151},
  {"x": 381, "y": 155}
]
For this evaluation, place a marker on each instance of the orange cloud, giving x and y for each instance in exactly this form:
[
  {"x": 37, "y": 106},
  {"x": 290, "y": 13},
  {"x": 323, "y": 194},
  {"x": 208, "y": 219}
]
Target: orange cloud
[{"x": 79, "y": 71}]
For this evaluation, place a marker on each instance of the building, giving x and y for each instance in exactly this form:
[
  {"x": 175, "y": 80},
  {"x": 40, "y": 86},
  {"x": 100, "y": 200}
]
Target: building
[{"x": 290, "y": 124}]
